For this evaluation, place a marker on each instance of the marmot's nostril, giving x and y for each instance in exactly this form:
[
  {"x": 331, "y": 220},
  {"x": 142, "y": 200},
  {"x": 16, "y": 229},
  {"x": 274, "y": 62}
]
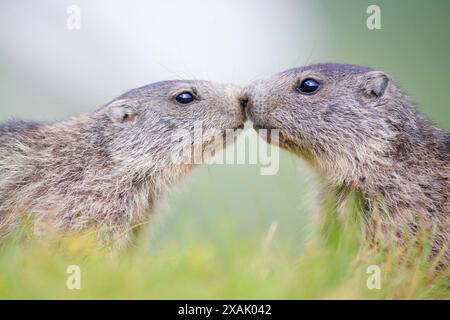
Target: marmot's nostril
[{"x": 243, "y": 102}]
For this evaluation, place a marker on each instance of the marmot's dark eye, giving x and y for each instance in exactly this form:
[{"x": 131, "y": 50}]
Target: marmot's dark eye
[
  {"x": 309, "y": 86},
  {"x": 185, "y": 97}
]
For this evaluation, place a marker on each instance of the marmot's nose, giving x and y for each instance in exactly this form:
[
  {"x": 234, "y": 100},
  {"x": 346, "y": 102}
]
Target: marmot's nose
[
  {"x": 248, "y": 94},
  {"x": 243, "y": 101}
]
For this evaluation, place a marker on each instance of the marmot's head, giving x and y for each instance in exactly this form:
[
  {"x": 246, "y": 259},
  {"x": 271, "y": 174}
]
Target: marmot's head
[
  {"x": 329, "y": 112},
  {"x": 340, "y": 117},
  {"x": 171, "y": 120}
]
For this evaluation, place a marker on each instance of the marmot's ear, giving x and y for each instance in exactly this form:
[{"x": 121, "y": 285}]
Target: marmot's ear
[
  {"x": 374, "y": 84},
  {"x": 122, "y": 111}
]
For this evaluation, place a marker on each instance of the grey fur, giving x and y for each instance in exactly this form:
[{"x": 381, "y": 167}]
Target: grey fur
[
  {"x": 362, "y": 133},
  {"x": 107, "y": 170}
]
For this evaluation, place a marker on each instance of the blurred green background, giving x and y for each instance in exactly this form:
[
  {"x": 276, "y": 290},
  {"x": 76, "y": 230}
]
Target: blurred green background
[{"x": 51, "y": 73}]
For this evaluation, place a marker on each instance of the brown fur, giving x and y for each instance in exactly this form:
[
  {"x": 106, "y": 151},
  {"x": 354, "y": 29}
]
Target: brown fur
[
  {"x": 364, "y": 134},
  {"x": 107, "y": 170}
]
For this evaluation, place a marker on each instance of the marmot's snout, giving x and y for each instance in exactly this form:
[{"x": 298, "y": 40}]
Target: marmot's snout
[
  {"x": 243, "y": 101},
  {"x": 257, "y": 107},
  {"x": 238, "y": 103}
]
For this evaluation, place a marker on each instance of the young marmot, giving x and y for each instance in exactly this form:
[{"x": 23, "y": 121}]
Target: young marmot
[
  {"x": 107, "y": 170},
  {"x": 362, "y": 133}
]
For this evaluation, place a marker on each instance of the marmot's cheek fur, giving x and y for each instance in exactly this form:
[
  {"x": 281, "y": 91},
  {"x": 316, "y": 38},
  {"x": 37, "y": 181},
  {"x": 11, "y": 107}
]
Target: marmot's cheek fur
[
  {"x": 362, "y": 133},
  {"x": 106, "y": 171}
]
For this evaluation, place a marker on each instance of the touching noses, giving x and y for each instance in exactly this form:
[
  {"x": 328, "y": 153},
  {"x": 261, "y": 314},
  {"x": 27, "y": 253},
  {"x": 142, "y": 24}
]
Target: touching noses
[
  {"x": 243, "y": 101},
  {"x": 252, "y": 94}
]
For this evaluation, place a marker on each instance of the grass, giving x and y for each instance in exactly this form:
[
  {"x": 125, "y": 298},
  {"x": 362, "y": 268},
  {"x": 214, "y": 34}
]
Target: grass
[{"x": 331, "y": 264}]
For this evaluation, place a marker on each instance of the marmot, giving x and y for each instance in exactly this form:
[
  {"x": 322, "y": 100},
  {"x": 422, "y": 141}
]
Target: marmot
[
  {"x": 362, "y": 133},
  {"x": 106, "y": 170}
]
